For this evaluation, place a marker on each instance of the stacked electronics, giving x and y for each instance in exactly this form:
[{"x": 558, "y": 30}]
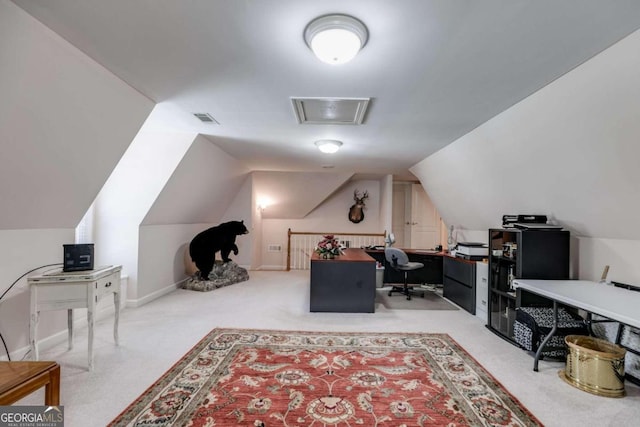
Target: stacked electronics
[
  {"x": 474, "y": 251},
  {"x": 528, "y": 222}
]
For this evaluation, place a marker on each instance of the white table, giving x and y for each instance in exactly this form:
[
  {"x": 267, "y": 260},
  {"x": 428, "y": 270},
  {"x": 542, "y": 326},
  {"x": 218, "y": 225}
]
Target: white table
[
  {"x": 614, "y": 303},
  {"x": 60, "y": 290}
]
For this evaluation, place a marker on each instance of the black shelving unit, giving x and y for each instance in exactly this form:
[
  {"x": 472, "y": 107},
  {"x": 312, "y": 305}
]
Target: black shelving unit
[{"x": 523, "y": 254}]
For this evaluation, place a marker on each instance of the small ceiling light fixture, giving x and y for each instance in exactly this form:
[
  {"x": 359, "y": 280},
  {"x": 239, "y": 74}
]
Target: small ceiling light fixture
[
  {"x": 336, "y": 39},
  {"x": 328, "y": 145}
]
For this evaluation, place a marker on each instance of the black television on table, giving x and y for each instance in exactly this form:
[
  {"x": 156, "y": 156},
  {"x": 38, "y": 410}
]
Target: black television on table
[{"x": 78, "y": 257}]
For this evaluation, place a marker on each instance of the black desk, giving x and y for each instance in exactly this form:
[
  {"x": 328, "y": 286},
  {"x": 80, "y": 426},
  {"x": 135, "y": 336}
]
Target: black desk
[
  {"x": 431, "y": 273},
  {"x": 345, "y": 284}
]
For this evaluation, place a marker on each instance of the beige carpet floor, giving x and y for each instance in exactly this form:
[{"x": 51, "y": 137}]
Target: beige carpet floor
[
  {"x": 156, "y": 335},
  {"x": 432, "y": 300}
]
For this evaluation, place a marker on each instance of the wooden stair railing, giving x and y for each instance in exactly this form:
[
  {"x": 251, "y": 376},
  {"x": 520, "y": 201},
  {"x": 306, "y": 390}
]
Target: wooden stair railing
[{"x": 301, "y": 244}]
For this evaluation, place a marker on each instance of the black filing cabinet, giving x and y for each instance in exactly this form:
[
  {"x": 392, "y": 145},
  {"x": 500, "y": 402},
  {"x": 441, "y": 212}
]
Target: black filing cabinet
[{"x": 460, "y": 282}]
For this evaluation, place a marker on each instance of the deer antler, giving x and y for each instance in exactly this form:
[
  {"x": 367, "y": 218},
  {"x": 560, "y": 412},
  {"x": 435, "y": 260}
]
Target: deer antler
[{"x": 365, "y": 195}]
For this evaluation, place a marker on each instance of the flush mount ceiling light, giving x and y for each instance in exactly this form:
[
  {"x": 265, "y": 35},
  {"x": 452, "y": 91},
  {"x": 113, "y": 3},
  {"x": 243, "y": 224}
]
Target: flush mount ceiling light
[
  {"x": 328, "y": 145},
  {"x": 336, "y": 39}
]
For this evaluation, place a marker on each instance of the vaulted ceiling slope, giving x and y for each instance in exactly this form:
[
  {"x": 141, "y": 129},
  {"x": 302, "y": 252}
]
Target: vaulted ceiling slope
[
  {"x": 292, "y": 195},
  {"x": 570, "y": 151},
  {"x": 434, "y": 69},
  {"x": 65, "y": 122},
  {"x": 200, "y": 189}
]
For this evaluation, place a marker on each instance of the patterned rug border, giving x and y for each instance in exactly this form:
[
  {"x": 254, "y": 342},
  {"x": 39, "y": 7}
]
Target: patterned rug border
[{"x": 483, "y": 372}]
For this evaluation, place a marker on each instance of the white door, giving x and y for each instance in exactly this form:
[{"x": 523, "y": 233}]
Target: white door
[{"x": 425, "y": 223}]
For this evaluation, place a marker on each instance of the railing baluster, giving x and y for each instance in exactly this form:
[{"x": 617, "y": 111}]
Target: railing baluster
[{"x": 301, "y": 245}]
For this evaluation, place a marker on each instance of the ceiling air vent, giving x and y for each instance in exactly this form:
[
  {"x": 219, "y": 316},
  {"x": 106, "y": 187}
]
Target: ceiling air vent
[
  {"x": 330, "y": 111},
  {"x": 206, "y": 118}
]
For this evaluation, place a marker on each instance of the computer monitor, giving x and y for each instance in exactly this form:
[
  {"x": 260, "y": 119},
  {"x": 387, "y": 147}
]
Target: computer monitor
[{"x": 78, "y": 257}]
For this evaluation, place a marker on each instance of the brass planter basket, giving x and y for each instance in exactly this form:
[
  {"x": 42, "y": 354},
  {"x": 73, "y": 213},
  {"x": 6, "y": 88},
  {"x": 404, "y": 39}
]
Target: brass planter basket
[{"x": 595, "y": 366}]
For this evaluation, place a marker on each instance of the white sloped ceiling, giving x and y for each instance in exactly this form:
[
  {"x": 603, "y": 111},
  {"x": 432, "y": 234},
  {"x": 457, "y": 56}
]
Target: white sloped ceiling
[
  {"x": 569, "y": 151},
  {"x": 292, "y": 195},
  {"x": 65, "y": 121},
  {"x": 200, "y": 189}
]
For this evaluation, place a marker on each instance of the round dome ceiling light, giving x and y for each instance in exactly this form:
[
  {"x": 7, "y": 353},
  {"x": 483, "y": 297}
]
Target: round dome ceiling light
[
  {"x": 336, "y": 39},
  {"x": 328, "y": 146}
]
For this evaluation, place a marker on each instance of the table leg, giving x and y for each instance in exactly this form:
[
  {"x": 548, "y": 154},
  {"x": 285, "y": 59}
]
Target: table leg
[
  {"x": 70, "y": 327},
  {"x": 52, "y": 389},
  {"x": 116, "y": 301},
  {"x": 33, "y": 325},
  {"x": 589, "y": 322},
  {"x": 548, "y": 337},
  {"x": 90, "y": 327}
]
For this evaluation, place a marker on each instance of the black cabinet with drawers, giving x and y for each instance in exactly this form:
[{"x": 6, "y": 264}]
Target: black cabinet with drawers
[
  {"x": 459, "y": 283},
  {"x": 522, "y": 254}
]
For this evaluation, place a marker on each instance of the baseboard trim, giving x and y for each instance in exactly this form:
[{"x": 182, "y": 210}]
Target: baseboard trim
[
  {"x": 154, "y": 295},
  {"x": 274, "y": 267}
]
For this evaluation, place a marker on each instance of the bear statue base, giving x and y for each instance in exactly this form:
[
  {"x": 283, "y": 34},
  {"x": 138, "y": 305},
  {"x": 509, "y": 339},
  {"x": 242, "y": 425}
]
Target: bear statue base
[{"x": 223, "y": 274}]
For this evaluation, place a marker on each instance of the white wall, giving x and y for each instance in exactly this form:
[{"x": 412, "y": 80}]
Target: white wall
[
  {"x": 386, "y": 203},
  {"x": 162, "y": 248},
  {"x": 257, "y": 231},
  {"x": 620, "y": 255},
  {"x": 330, "y": 216},
  {"x": 161, "y": 259},
  {"x": 206, "y": 187},
  {"x": 128, "y": 195},
  {"x": 568, "y": 151},
  {"x": 64, "y": 123},
  {"x": 21, "y": 251},
  {"x": 243, "y": 208}
]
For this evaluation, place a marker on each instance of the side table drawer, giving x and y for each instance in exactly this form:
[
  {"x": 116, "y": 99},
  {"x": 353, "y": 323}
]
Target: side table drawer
[
  {"x": 108, "y": 284},
  {"x": 55, "y": 296}
]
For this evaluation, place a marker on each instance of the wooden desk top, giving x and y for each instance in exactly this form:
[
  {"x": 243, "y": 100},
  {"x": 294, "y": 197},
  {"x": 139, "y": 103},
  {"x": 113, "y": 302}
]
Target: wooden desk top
[
  {"x": 14, "y": 373},
  {"x": 19, "y": 379},
  {"x": 459, "y": 259},
  {"x": 351, "y": 255}
]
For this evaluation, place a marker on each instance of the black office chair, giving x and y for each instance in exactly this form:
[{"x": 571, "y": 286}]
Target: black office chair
[{"x": 399, "y": 261}]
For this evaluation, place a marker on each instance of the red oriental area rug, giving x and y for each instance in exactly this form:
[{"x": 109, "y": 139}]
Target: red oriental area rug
[{"x": 236, "y": 377}]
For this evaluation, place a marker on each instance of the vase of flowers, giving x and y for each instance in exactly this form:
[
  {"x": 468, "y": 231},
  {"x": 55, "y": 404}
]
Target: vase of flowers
[{"x": 328, "y": 247}]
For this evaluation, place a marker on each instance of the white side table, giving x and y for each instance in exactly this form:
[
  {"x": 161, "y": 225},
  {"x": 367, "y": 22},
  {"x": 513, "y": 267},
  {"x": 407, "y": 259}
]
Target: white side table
[{"x": 60, "y": 290}]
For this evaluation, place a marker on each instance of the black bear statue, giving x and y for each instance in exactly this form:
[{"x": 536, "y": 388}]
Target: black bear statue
[{"x": 204, "y": 246}]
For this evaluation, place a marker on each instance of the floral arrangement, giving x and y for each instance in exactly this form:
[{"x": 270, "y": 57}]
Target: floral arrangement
[{"x": 328, "y": 247}]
